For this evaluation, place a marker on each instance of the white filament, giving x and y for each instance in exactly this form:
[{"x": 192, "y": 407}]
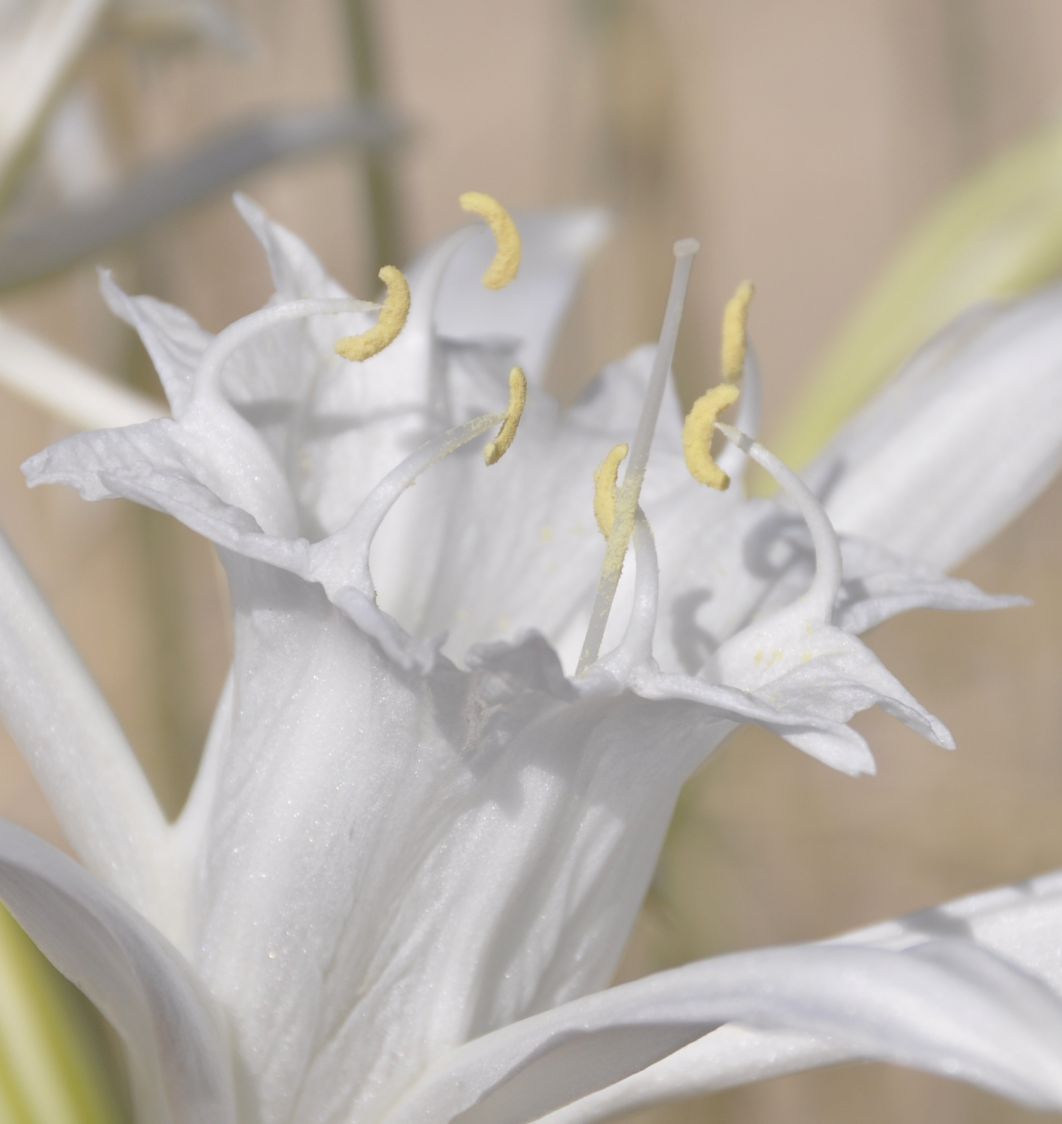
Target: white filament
[
  {"x": 208, "y": 377},
  {"x": 821, "y": 596},
  {"x": 355, "y": 539}
]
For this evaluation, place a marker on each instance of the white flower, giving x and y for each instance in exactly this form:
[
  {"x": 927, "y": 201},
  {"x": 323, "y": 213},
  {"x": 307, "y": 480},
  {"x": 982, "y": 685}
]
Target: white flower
[{"x": 409, "y": 863}]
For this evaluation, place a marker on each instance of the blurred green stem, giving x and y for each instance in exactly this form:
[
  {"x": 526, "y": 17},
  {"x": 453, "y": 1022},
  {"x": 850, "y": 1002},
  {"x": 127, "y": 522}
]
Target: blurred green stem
[{"x": 380, "y": 193}]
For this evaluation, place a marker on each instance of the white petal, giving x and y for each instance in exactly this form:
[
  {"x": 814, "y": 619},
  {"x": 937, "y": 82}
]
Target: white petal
[
  {"x": 789, "y": 658},
  {"x": 1021, "y": 923},
  {"x": 158, "y": 464},
  {"x": 726, "y": 565},
  {"x": 612, "y": 403},
  {"x": 296, "y": 269},
  {"x": 179, "y": 1060},
  {"x": 210, "y": 471},
  {"x": 347, "y": 915},
  {"x": 170, "y": 336},
  {"x": 73, "y": 743},
  {"x": 732, "y": 566},
  {"x": 963, "y": 441},
  {"x": 947, "y": 1008},
  {"x": 530, "y": 310},
  {"x": 823, "y": 672},
  {"x": 819, "y": 735},
  {"x": 507, "y": 566},
  {"x": 878, "y": 586}
]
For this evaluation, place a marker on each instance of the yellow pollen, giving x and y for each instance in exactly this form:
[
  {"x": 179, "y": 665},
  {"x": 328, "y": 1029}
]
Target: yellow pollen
[
  {"x": 736, "y": 332},
  {"x": 697, "y": 435},
  {"x": 506, "y": 263},
  {"x": 605, "y": 488},
  {"x": 392, "y": 320},
  {"x": 517, "y": 400}
]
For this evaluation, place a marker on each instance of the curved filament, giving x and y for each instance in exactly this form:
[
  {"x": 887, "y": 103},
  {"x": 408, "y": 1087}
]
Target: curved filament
[
  {"x": 821, "y": 596},
  {"x": 226, "y": 343},
  {"x": 355, "y": 539}
]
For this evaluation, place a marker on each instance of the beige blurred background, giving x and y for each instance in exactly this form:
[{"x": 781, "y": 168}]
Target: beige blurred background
[{"x": 799, "y": 140}]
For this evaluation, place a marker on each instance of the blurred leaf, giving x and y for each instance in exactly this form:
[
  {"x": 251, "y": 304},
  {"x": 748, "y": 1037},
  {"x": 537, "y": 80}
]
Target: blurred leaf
[
  {"x": 54, "y": 242},
  {"x": 54, "y": 1063},
  {"x": 998, "y": 234},
  {"x": 177, "y": 23}
]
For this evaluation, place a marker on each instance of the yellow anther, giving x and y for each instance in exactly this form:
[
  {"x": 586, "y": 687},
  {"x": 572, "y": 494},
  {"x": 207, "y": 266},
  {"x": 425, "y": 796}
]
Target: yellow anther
[
  {"x": 605, "y": 488},
  {"x": 506, "y": 263},
  {"x": 517, "y": 400},
  {"x": 697, "y": 435},
  {"x": 392, "y": 320},
  {"x": 736, "y": 331}
]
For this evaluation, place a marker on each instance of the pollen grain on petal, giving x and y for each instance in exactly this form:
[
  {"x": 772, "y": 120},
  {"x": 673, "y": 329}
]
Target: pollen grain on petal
[
  {"x": 697, "y": 435},
  {"x": 506, "y": 264},
  {"x": 736, "y": 332},
  {"x": 517, "y": 400},
  {"x": 392, "y": 320},
  {"x": 605, "y": 488}
]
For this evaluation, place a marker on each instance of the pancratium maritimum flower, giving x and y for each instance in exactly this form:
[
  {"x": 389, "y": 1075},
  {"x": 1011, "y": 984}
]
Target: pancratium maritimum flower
[{"x": 423, "y": 822}]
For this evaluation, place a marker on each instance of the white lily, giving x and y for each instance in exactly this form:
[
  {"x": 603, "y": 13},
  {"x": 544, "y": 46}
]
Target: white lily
[{"x": 408, "y": 864}]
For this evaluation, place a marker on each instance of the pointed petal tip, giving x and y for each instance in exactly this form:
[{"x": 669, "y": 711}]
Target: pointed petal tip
[
  {"x": 118, "y": 301},
  {"x": 1010, "y": 601},
  {"x": 585, "y": 229},
  {"x": 863, "y": 768},
  {"x": 114, "y": 296},
  {"x": 250, "y": 211},
  {"x": 941, "y": 735},
  {"x": 839, "y": 747},
  {"x": 594, "y": 226},
  {"x": 32, "y": 468}
]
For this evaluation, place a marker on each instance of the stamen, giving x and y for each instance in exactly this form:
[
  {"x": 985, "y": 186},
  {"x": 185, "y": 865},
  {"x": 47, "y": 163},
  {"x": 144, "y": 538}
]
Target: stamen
[
  {"x": 736, "y": 332},
  {"x": 392, "y": 320},
  {"x": 345, "y": 556},
  {"x": 517, "y": 400},
  {"x": 245, "y": 329},
  {"x": 343, "y": 559},
  {"x": 605, "y": 488},
  {"x": 630, "y": 490},
  {"x": 697, "y": 435},
  {"x": 506, "y": 263},
  {"x": 821, "y": 597}
]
